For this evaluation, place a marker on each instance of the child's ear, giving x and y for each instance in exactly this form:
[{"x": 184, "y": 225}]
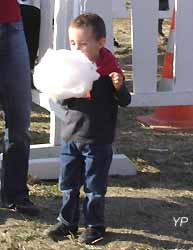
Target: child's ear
[{"x": 101, "y": 42}]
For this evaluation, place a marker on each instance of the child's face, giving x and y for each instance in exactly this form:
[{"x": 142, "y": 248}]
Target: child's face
[{"x": 83, "y": 39}]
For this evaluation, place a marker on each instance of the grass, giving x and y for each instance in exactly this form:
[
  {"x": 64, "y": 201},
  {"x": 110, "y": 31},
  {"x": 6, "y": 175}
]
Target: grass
[{"x": 141, "y": 210}]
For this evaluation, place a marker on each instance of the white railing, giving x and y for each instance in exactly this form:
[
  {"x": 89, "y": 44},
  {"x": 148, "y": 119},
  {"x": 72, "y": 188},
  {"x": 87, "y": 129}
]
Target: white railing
[{"x": 144, "y": 15}]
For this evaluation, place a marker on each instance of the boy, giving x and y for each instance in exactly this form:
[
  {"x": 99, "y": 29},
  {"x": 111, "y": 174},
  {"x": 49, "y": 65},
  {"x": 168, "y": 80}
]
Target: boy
[{"x": 88, "y": 132}]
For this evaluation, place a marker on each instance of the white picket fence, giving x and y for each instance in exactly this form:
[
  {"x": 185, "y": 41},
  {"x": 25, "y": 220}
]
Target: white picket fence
[
  {"x": 145, "y": 56},
  {"x": 145, "y": 14}
]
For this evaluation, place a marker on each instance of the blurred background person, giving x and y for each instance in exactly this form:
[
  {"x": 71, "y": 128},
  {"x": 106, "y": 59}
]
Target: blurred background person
[
  {"x": 163, "y": 6},
  {"x": 31, "y": 16}
]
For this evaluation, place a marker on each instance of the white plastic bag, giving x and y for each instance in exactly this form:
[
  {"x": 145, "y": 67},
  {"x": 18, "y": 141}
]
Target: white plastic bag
[{"x": 62, "y": 74}]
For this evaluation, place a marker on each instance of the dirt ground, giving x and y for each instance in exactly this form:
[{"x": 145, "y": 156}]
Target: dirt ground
[{"x": 150, "y": 211}]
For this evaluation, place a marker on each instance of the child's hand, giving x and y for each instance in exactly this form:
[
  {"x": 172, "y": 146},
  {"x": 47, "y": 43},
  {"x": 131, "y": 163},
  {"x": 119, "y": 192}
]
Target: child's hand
[{"x": 117, "y": 79}]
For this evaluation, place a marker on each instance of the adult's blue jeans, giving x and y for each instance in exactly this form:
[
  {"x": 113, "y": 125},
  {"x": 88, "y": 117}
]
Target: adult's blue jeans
[
  {"x": 15, "y": 96},
  {"x": 87, "y": 165}
]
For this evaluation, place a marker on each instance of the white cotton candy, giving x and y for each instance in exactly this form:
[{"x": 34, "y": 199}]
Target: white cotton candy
[{"x": 62, "y": 74}]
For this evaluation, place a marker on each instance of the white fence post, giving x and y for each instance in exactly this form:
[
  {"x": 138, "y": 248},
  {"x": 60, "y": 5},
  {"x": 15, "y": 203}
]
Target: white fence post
[
  {"x": 184, "y": 46},
  {"x": 46, "y": 38},
  {"x": 63, "y": 14},
  {"x": 144, "y": 44},
  {"x": 55, "y": 129},
  {"x": 45, "y": 41}
]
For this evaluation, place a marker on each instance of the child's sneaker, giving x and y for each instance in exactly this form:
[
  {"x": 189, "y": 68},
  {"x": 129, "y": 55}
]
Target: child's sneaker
[
  {"x": 59, "y": 231},
  {"x": 92, "y": 235}
]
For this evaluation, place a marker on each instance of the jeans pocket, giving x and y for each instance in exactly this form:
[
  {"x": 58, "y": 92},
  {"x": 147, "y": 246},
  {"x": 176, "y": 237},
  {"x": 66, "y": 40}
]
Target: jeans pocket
[{"x": 17, "y": 26}]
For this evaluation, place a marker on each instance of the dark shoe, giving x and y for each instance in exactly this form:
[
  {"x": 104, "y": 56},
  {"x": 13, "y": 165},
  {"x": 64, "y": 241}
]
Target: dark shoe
[
  {"x": 59, "y": 231},
  {"x": 92, "y": 235},
  {"x": 24, "y": 206}
]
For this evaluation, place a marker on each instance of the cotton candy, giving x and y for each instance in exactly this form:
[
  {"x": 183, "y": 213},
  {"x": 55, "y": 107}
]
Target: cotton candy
[{"x": 62, "y": 74}]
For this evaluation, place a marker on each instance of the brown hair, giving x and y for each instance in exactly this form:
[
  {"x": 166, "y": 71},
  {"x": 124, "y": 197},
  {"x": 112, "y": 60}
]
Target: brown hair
[{"x": 90, "y": 20}]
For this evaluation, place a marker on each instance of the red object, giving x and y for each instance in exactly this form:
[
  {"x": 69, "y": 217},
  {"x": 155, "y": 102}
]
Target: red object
[
  {"x": 170, "y": 118},
  {"x": 9, "y": 11},
  {"x": 167, "y": 70},
  {"x": 106, "y": 64}
]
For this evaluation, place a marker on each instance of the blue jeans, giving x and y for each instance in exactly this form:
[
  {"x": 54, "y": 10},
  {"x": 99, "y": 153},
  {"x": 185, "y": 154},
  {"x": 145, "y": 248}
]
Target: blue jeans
[
  {"x": 15, "y": 96},
  {"x": 87, "y": 165}
]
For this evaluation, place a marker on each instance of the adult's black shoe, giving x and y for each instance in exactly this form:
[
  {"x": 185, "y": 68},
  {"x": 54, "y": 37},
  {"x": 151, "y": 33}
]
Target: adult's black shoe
[{"x": 24, "y": 206}]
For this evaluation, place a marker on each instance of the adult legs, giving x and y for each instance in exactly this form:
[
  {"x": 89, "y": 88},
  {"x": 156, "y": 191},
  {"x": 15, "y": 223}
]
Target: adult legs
[{"x": 16, "y": 91}]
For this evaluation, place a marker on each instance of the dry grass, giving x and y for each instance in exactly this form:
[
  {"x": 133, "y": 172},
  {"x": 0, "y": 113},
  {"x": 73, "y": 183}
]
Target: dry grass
[{"x": 140, "y": 210}]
